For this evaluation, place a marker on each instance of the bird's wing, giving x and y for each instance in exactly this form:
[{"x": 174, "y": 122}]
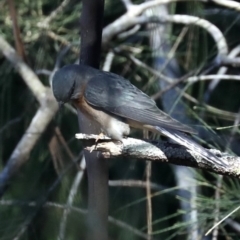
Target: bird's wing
[{"x": 112, "y": 93}]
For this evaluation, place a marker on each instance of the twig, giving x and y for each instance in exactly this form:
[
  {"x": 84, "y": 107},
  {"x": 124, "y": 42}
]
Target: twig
[
  {"x": 63, "y": 142},
  {"x": 72, "y": 193},
  {"x": 58, "y": 10},
  {"x": 62, "y": 40},
  {"x": 221, "y": 71},
  {"x": 212, "y": 76},
  {"x": 216, "y": 34},
  {"x": 108, "y": 61},
  {"x": 228, "y": 3},
  {"x": 128, "y": 227},
  {"x": 43, "y": 72},
  {"x": 222, "y": 220},
  {"x": 16, "y": 31},
  {"x": 172, "y": 85},
  {"x": 174, "y": 48},
  {"x": 129, "y": 32},
  {"x": 149, "y": 199},
  {"x": 229, "y": 60},
  {"x": 134, "y": 183},
  {"x": 217, "y": 207},
  {"x": 151, "y": 70},
  {"x": 148, "y": 192}
]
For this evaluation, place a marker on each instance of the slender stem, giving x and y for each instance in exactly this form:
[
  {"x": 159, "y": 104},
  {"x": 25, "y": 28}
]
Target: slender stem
[{"x": 149, "y": 199}]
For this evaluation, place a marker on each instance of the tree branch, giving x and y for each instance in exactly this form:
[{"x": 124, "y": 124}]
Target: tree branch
[
  {"x": 16, "y": 30},
  {"x": 161, "y": 152},
  {"x": 29, "y": 77},
  {"x": 129, "y": 19},
  {"x": 48, "y": 108},
  {"x": 228, "y": 3}
]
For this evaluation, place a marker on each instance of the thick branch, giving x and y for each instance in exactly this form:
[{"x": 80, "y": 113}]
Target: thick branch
[
  {"x": 22, "y": 151},
  {"x": 133, "y": 11},
  {"x": 40, "y": 121},
  {"x": 160, "y": 152},
  {"x": 130, "y": 18}
]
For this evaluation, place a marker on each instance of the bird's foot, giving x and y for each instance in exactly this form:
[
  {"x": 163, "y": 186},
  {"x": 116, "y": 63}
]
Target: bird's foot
[
  {"x": 101, "y": 135},
  {"x": 92, "y": 148}
]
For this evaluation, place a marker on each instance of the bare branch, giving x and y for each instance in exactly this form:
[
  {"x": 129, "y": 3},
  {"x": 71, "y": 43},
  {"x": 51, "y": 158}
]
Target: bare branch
[
  {"x": 160, "y": 152},
  {"x": 213, "y": 76},
  {"x": 135, "y": 183},
  {"x": 229, "y": 60},
  {"x": 127, "y": 227},
  {"x": 59, "y": 9},
  {"x": 228, "y": 3},
  {"x": 231, "y": 57},
  {"x": 45, "y": 113},
  {"x": 133, "y": 11},
  {"x": 131, "y": 18},
  {"x": 150, "y": 69},
  {"x": 222, "y": 220},
  {"x": 149, "y": 4},
  {"x": 149, "y": 199},
  {"x": 108, "y": 61},
  {"x": 23, "y": 149},
  {"x": 217, "y": 207},
  {"x": 29, "y": 77},
  {"x": 216, "y": 34},
  {"x": 72, "y": 193},
  {"x": 128, "y": 33},
  {"x": 16, "y": 30}
]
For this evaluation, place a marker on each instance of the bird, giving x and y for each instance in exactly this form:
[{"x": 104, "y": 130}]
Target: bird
[{"x": 115, "y": 105}]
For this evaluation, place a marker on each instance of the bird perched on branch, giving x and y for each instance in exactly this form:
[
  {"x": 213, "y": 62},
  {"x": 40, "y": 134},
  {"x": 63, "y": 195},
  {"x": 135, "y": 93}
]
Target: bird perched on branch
[{"x": 115, "y": 105}]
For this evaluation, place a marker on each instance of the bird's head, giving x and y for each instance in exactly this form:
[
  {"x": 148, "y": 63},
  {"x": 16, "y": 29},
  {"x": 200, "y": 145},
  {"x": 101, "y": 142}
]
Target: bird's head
[{"x": 66, "y": 83}]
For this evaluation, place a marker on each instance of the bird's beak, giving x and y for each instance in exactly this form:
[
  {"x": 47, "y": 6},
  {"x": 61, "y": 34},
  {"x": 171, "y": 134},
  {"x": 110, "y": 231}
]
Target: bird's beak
[{"x": 60, "y": 104}]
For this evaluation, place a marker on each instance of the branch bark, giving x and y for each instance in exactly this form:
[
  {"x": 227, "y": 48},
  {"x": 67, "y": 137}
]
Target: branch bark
[
  {"x": 48, "y": 108},
  {"x": 161, "y": 152}
]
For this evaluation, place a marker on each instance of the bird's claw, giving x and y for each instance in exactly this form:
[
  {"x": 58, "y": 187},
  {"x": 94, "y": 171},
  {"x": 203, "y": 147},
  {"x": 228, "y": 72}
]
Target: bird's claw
[
  {"x": 92, "y": 148},
  {"x": 96, "y": 141},
  {"x": 100, "y": 135}
]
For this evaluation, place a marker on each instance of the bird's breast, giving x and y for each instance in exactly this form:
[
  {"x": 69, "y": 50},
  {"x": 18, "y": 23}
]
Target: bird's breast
[{"x": 111, "y": 125}]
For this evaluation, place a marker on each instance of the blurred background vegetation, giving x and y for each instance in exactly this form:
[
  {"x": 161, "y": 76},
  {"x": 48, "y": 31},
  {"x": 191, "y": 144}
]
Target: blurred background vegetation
[{"x": 47, "y": 199}]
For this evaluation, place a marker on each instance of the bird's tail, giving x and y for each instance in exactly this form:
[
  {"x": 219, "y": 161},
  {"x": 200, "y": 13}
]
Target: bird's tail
[{"x": 184, "y": 140}]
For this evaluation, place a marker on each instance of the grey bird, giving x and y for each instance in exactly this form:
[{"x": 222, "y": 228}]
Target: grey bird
[{"x": 115, "y": 105}]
